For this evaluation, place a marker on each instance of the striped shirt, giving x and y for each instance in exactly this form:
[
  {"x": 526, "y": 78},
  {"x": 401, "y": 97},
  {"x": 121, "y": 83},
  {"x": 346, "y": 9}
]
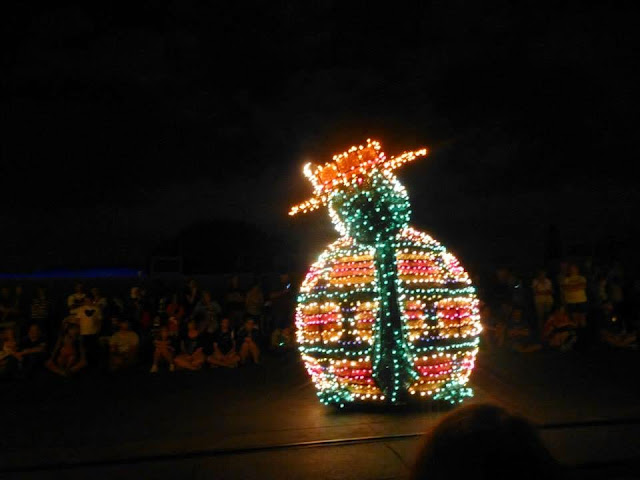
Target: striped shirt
[{"x": 40, "y": 308}]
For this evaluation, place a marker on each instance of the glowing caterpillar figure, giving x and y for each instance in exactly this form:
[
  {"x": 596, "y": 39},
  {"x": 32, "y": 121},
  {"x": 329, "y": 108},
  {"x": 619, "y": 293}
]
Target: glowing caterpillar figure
[{"x": 385, "y": 312}]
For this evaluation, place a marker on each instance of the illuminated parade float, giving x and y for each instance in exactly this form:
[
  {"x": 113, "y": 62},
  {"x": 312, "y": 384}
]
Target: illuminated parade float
[{"x": 385, "y": 313}]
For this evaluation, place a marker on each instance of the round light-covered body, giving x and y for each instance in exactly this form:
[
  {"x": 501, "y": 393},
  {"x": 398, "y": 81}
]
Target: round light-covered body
[{"x": 337, "y": 320}]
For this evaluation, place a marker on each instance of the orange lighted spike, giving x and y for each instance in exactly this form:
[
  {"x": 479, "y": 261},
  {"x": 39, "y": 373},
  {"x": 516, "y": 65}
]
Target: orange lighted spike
[{"x": 345, "y": 167}]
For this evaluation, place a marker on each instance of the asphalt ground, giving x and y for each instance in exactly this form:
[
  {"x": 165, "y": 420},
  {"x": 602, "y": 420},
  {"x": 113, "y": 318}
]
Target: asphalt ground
[{"x": 264, "y": 421}]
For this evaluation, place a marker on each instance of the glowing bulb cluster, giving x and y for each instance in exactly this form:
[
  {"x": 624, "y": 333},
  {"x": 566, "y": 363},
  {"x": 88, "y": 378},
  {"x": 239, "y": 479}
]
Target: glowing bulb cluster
[
  {"x": 385, "y": 312},
  {"x": 354, "y": 164}
]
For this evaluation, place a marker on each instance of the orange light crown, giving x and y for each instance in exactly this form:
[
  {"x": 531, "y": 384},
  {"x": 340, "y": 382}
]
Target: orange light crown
[{"x": 345, "y": 168}]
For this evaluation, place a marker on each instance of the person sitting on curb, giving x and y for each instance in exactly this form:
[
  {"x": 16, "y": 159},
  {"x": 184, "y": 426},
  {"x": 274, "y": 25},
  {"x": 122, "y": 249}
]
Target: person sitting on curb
[
  {"x": 163, "y": 350},
  {"x": 248, "y": 342},
  {"x": 560, "y": 330},
  {"x": 123, "y": 347},
  {"x": 191, "y": 355},
  {"x": 68, "y": 356},
  {"x": 224, "y": 347}
]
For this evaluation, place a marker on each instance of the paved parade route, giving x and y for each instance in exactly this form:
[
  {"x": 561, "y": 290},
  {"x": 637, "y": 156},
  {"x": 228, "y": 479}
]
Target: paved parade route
[{"x": 260, "y": 421}]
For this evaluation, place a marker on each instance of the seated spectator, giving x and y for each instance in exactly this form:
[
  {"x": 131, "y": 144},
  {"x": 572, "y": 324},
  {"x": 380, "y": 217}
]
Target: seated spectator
[
  {"x": 175, "y": 307},
  {"x": 33, "y": 350},
  {"x": 542, "y": 298},
  {"x": 518, "y": 334},
  {"x": 560, "y": 330},
  {"x": 191, "y": 355},
  {"x": 68, "y": 356},
  {"x": 486, "y": 442},
  {"x": 77, "y": 298},
  {"x": 613, "y": 331},
  {"x": 123, "y": 347},
  {"x": 9, "y": 356},
  {"x": 574, "y": 287},
  {"x": 163, "y": 350},
  {"x": 248, "y": 342},
  {"x": 224, "y": 347}
]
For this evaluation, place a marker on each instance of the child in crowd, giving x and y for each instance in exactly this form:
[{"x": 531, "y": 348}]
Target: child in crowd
[
  {"x": 68, "y": 356},
  {"x": 191, "y": 349},
  {"x": 560, "y": 330},
  {"x": 519, "y": 335},
  {"x": 163, "y": 350},
  {"x": 248, "y": 342},
  {"x": 33, "y": 350},
  {"x": 123, "y": 347},
  {"x": 224, "y": 347}
]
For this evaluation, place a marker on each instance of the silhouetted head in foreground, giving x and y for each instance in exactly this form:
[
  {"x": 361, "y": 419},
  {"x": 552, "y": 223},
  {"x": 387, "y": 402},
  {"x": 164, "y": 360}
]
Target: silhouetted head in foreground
[{"x": 483, "y": 442}]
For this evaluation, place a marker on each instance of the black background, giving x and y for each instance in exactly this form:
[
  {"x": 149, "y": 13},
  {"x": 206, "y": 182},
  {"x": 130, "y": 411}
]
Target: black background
[{"x": 134, "y": 128}]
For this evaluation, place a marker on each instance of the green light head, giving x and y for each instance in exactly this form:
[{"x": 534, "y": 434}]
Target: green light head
[{"x": 371, "y": 209}]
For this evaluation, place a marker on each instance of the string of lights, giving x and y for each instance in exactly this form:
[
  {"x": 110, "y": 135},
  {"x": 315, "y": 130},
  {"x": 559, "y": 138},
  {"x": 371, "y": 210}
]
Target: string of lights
[{"x": 385, "y": 312}]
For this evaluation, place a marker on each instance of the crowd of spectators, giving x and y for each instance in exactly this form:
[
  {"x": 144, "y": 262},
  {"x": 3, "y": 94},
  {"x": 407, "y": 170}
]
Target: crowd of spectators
[
  {"x": 578, "y": 306},
  {"x": 160, "y": 329}
]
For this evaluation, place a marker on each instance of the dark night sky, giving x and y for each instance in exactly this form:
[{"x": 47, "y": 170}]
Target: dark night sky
[{"x": 125, "y": 125}]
